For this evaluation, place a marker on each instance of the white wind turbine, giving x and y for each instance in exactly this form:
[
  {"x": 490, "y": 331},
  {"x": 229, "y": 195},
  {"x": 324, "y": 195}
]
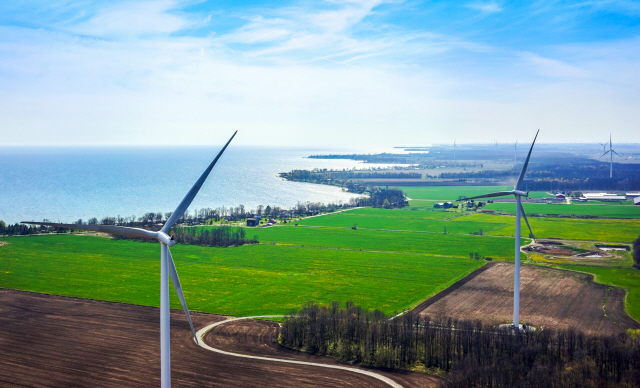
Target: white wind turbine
[
  {"x": 454, "y": 149},
  {"x": 515, "y": 151},
  {"x": 604, "y": 146},
  {"x": 610, "y": 152},
  {"x": 167, "y": 266},
  {"x": 518, "y": 193}
]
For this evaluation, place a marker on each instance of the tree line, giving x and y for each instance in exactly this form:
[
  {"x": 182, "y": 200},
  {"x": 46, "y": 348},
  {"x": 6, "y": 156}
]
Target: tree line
[
  {"x": 467, "y": 352},
  {"x": 221, "y": 236}
]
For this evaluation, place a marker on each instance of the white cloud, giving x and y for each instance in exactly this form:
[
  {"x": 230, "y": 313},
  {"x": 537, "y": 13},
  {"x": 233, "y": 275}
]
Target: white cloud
[{"x": 485, "y": 8}]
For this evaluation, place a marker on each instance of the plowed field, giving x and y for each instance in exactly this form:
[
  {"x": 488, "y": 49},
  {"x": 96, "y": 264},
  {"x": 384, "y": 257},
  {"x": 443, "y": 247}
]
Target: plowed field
[
  {"x": 548, "y": 298},
  {"x": 52, "y": 341}
]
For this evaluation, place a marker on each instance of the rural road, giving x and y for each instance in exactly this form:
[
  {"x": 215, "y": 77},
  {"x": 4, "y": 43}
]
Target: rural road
[{"x": 201, "y": 333}]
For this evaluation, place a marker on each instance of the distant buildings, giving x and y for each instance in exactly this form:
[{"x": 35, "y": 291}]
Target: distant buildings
[
  {"x": 254, "y": 221},
  {"x": 443, "y": 205},
  {"x": 636, "y": 201},
  {"x": 603, "y": 197}
]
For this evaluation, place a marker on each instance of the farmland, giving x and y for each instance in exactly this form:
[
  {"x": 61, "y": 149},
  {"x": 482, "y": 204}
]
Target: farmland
[
  {"x": 550, "y": 298},
  {"x": 65, "y": 342},
  {"x": 597, "y": 210},
  {"x": 247, "y": 280},
  {"x": 626, "y": 278},
  {"x": 625, "y": 231}
]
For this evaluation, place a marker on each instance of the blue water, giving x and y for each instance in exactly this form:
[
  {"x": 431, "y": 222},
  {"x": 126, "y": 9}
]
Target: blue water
[{"x": 66, "y": 184}]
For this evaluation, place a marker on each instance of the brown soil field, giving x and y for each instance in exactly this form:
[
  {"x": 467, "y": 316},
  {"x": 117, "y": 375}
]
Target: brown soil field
[
  {"x": 548, "y": 298},
  {"x": 53, "y": 341},
  {"x": 260, "y": 338}
]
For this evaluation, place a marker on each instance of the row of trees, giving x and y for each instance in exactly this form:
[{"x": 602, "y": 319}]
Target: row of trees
[
  {"x": 221, "y": 236},
  {"x": 470, "y": 353},
  {"x": 325, "y": 176}
]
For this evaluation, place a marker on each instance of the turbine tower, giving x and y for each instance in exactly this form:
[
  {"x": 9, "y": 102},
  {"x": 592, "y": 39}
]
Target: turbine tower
[
  {"x": 515, "y": 151},
  {"x": 454, "y": 149},
  {"x": 518, "y": 193},
  {"x": 167, "y": 266},
  {"x": 610, "y": 152}
]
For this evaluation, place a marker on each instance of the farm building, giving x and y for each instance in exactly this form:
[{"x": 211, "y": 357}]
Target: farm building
[
  {"x": 632, "y": 195},
  {"x": 604, "y": 197},
  {"x": 443, "y": 205},
  {"x": 253, "y": 221},
  {"x": 636, "y": 201}
]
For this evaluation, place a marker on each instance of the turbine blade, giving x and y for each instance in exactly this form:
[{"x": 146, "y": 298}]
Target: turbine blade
[
  {"x": 497, "y": 194},
  {"x": 526, "y": 163},
  {"x": 615, "y": 152},
  {"x": 111, "y": 229},
  {"x": 176, "y": 284},
  {"x": 194, "y": 190},
  {"x": 524, "y": 215},
  {"x": 605, "y": 153}
]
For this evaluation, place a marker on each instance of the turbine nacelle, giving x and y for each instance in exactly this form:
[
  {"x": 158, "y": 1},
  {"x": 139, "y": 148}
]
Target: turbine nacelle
[{"x": 165, "y": 239}]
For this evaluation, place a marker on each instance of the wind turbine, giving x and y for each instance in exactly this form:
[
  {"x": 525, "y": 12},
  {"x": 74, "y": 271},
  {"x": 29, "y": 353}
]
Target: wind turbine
[
  {"x": 604, "y": 146},
  {"x": 495, "y": 142},
  {"x": 454, "y": 149},
  {"x": 518, "y": 193},
  {"x": 167, "y": 266},
  {"x": 610, "y": 152},
  {"x": 515, "y": 151}
]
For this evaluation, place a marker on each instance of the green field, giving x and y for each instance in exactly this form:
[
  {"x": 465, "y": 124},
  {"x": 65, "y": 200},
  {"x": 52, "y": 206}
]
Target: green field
[
  {"x": 451, "y": 193},
  {"x": 241, "y": 281},
  {"x": 438, "y": 244},
  {"x": 382, "y": 219},
  {"x": 625, "y": 231},
  {"x": 582, "y": 209},
  {"x": 627, "y": 278}
]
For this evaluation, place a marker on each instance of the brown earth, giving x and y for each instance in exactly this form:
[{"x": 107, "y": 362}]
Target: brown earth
[
  {"x": 260, "y": 338},
  {"x": 548, "y": 298},
  {"x": 53, "y": 341}
]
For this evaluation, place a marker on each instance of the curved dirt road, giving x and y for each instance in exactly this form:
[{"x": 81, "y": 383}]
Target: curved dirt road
[
  {"x": 201, "y": 333},
  {"x": 259, "y": 338}
]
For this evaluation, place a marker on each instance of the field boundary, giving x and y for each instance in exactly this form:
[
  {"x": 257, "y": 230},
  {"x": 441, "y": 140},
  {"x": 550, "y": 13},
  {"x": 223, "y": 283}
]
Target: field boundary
[
  {"x": 594, "y": 280},
  {"x": 453, "y": 287}
]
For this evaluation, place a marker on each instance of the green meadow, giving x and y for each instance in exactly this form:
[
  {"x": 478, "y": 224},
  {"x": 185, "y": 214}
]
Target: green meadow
[
  {"x": 240, "y": 281},
  {"x": 575, "y": 209},
  {"x": 438, "y": 244},
  {"x": 382, "y": 219},
  {"x": 606, "y": 230}
]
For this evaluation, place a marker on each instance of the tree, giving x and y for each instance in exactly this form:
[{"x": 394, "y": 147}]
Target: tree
[
  {"x": 386, "y": 204},
  {"x": 636, "y": 253}
]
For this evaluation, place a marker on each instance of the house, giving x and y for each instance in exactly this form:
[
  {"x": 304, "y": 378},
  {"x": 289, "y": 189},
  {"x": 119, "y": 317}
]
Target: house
[
  {"x": 253, "y": 221},
  {"x": 636, "y": 201},
  {"x": 439, "y": 205},
  {"x": 448, "y": 205},
  {"x": 560, "y": 196}
]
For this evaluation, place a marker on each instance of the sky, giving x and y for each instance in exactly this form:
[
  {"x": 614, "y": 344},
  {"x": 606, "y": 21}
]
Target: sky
[{"x": 318, "y": 73}]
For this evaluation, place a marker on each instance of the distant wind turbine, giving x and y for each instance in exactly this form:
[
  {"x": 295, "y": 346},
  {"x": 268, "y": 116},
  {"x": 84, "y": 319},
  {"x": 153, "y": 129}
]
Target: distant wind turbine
[
  {"x": 518, "y": 193},
  {"x": 454, "y": 149},
  {"x": 604, "y": 146},
  {"x": 167, "y": 266},
  {"x": 515, "y": 151},
  {"x": 610, "y": 152}
]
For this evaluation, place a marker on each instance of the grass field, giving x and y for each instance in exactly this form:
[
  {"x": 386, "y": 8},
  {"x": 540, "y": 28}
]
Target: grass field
[
  {"x": 437, "y": 244},
  {"x": 627, "y": 278},
  {"x": 624, "y": 231},
  {"x": 248, "y": 280},
  {"x": 451, "y": 193},
  {"x": 582, "y": 209},
  {"x": 430, "y": 221}
]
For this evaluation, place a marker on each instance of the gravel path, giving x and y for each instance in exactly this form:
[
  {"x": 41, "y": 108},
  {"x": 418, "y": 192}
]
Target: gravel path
[{"x": 201, "y": 333}]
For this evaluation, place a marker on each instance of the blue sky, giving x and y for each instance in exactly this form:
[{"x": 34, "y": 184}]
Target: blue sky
[{"x": 306, "y": 73}]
